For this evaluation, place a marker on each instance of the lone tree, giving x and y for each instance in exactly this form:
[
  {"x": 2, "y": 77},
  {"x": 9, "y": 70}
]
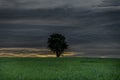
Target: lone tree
[{"x": 57, "y": 44}]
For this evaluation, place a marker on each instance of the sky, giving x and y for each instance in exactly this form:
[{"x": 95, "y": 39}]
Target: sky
[{"x": 86, "y": 24}]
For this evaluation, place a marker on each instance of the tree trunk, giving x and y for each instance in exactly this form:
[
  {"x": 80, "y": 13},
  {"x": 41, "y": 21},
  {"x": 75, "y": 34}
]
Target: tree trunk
[{"x": 57, "y": 54}]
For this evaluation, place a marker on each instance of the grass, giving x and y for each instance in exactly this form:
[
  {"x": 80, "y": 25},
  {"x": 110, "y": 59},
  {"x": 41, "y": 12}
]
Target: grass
[{"x": 59, "y": 69}]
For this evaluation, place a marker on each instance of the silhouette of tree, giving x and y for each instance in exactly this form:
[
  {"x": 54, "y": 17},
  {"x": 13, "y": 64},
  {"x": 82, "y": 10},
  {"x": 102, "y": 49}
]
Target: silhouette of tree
[{"x": 57, "y": 44}]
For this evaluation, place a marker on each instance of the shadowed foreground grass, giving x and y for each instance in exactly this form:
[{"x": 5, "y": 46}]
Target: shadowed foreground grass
[{"x": 59, "y": 69}]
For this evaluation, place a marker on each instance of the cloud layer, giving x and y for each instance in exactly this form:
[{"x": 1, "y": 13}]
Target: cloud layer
[
  {"x": 33, "y": 4},
  {"x": 85, "y": 23}
]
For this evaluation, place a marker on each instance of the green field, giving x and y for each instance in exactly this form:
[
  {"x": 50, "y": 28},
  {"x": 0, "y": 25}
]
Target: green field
[{"x": 59, "y": 69}]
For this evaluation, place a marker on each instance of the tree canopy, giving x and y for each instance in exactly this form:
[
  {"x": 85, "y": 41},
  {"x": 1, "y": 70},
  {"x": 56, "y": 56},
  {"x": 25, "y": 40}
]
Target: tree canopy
[{"x": 57, "y": 43}]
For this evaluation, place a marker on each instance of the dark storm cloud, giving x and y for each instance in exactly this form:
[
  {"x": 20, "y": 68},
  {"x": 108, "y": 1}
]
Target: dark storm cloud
[
  {"x": 111, "y": 3},
  {"x": 86, "y": 24},
  {"x": 58, "y": 12},
  {"x": 33, "y": 4},
  {"x": 16, "y": 35}
]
